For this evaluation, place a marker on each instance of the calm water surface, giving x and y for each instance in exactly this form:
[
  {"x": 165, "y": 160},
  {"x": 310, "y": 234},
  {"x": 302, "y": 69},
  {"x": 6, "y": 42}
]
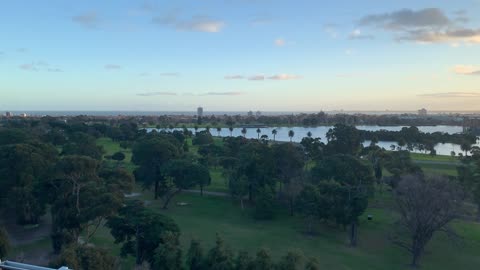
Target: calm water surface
[{"x": 320, "y": 132}]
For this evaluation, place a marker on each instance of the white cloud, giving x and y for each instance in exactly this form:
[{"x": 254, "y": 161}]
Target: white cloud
[
  {"x": 150, "y": 94},
  {"x": 170, "y": 74},
  {"x": 283, "y": 77},
  {"x": 430, "y": 25},
  {"x": 357, "y": 34},
  {"x": 256, "y": 78},
  {"x": 112, "y": 66},
  {"x": 234, "y": 77},
  {"x": 194, "y": 24},
  {"x": 279, "y": 42},
  {"x": 466, "y": 70},
  {"x": 88, "y": 20},
  {"x": 452, "y": 95}
]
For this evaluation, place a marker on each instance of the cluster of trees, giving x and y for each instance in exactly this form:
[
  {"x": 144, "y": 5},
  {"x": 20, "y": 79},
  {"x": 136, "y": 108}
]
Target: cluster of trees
[
  {"x": 411, "y": 138},
  {"x": 49, "y": 164},
  {"x": 167, "y": 166}
]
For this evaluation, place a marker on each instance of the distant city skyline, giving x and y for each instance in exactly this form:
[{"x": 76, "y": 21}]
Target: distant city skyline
[{"x": 240, "y": 55}]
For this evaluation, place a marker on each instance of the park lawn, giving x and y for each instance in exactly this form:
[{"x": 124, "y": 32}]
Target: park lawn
[
  {"x": 427, "y": 157},
  {"x": 205, "y": 216},
  {"x": 219, "y": 182},
  {"x": 442, "y": 169},
  {"x": 111, "y": 147}
]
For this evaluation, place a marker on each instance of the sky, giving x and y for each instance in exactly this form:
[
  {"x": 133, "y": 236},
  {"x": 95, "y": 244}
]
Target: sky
[{"x": 239, "y": 55}]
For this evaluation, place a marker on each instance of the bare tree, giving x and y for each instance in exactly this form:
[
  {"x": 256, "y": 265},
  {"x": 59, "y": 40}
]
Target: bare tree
[{"x": 426, "y": 205}]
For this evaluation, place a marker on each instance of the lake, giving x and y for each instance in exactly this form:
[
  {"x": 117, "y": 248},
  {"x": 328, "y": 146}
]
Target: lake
[{"x": 320, "y": 132}]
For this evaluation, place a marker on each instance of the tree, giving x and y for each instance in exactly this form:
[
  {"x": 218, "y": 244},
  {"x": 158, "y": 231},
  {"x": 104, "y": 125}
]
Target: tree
[
  {"x": 426, "y": 206},
  {"x": 343, "y": 139},
  {"x": 4, "y": 243},
  {"x": 195, "y": 256},
  {"x": 355, "y": 183},
  {"x": 308, "y": 204},
  {"x": 82, "y": 198},
  {"x": 238, "y": 186},
  {"x": 220, "y": 257},
  {"x": 312, "y": 264},
  {"x": 243, "y": 261},
  {"x": 258, "y": 133},
  {"x": 309, "y": 134},
  {"x": 118, "y": 156},
  {"x": 84, "y": 257},
  {"x": 151, "y": 154},
  {"x": 263, "y": 260},
  {"x": 274, "y": 133},
  {"x": 219, "y": 129},
  {"x": 140, "y": 230},
  {"x": 202, "y": 138},
  {"x": 289, "y": 162},
  {"x": 168, "y": 255},
  {"x": 291, "y": 133},
  {"x": 81, "y": 143},
  {"x": 292, "y": 261},
  {"x": 180, "y": 175},
  {"x": 264, "y": 204},
  {"x": 24, "y": 170},
  {"x": 465, "y": 146},
  {"x": 230, "y": 128},
  {"x": 244, "y": 132}
]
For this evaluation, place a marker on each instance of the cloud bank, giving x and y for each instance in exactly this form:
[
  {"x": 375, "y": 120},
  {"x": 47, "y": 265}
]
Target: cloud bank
[
  {"x": 194, "y": 24},
  {"x": 87, "y": 20},
  {"x": 452, "y": 95},
  {"x": 466, "y": 70},
  {"x": 430, "y": 25}
]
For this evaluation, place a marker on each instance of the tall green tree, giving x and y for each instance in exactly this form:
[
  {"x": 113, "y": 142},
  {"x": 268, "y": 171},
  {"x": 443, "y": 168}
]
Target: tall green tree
[
  {"x": 168, "y": 254},
  {"x": 24, "y": 170},
  {"x": 140, "y": 230},
  {"x": 291, "y": 133},
  {"x": 274, "y": 133},
  {"x": 195, "y": 257},
  {"x": 220, "y": 257},
  {"x": 180, "y": 175},
  {"x": 151, "y": 154},
  {"x": 344, "y": 139}
]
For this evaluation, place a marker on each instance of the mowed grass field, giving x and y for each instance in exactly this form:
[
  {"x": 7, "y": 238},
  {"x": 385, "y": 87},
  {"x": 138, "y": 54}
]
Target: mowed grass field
[{"x": 205, "y": 216}]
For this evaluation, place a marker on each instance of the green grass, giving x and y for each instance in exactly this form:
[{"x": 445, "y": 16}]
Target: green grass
[
  {"x": 427, "y": 157},
  {"x": 206, "y": 216},
  {"x": 218, "y": 183},
  {"x": 111, "y": 147}
]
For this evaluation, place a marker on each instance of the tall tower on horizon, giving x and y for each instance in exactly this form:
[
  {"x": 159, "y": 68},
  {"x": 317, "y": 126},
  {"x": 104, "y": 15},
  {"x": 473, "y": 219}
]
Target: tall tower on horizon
[{"x": 199, "y": 111}]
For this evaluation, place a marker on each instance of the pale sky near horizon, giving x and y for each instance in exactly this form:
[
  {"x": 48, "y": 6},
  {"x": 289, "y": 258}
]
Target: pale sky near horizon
[{"x": 234, "y": 55}]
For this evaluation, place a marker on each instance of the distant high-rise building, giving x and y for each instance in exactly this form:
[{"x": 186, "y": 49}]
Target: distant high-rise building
[
  {"x": 199, "y": 111},
  {"x": 8, "y": 114},
  {"x": 422, "y": 112},
  {"x": 250, "y": 113}
]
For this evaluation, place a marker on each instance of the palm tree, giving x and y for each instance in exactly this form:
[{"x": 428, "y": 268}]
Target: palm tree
[
  {"x": 291, "y": 134},
  {"x": 258, "y": 133},
  {"x": 231, "y": 130},
  {"x": 309, "y": 134},
  {"x": 218, "y": 131},
  {"x": 274, "y": 132},
  {"x": 196, "y": 128},
  {"x": 465, "y": 146},
  {"x": 244, "y": 132},
  {"x": 207, "y": 128}
]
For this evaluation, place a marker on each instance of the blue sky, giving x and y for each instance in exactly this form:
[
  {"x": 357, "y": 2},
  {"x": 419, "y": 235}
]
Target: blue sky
[{"x": 239, "y": 55}]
